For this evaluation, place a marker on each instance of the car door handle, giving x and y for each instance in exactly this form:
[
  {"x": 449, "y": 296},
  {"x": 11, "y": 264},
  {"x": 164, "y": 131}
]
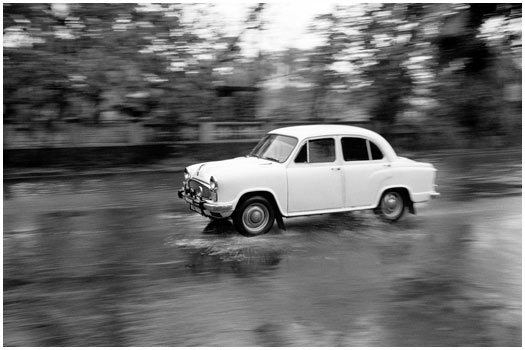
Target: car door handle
[
  {"x": 387, "y": 165},
  {"x": 337, "y": 168}
]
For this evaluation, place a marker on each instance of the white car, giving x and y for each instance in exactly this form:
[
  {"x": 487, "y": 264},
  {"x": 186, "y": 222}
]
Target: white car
[{"x": 307, "y": 170}]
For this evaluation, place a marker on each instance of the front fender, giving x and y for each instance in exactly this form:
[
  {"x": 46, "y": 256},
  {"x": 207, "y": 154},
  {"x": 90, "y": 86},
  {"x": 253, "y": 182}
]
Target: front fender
[{"x": 279, "y": 199}]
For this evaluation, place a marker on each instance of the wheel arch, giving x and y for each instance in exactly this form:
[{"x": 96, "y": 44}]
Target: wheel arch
[
  {"x": 269, "y": 195},
  {"x": 404, "y": 191}
]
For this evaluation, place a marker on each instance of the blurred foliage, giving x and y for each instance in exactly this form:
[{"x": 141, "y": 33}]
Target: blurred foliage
[
  {"x": 438, "y": 65},
  {"x": 134, "y": 61},
  {"x": 439, "y": 55}
]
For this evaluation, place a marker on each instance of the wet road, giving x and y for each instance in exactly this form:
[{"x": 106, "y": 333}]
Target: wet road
[{"x": 120, "y": 261}]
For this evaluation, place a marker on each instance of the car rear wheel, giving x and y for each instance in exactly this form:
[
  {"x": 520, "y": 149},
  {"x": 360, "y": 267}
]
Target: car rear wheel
[
  {"x": 392, "y": 205},
  {"x": 254, "y": 216}
]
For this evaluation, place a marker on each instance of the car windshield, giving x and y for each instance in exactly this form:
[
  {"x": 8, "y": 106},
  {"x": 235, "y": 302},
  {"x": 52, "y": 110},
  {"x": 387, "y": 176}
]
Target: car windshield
[{"x": 274, "y": 147}]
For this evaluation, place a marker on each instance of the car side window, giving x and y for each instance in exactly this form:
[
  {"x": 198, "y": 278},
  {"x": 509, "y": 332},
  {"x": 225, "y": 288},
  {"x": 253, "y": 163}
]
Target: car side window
[
  {"x": 321, "y": 151},
  {"x": 376, "y": 152},
  {"x": 354, "y": 149},
  {"x": 317, "y": 151},
  {"x": 302, "y": 157}
]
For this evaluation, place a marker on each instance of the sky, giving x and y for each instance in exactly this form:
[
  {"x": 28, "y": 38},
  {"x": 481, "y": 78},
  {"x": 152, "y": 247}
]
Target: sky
[{"x": 286, "y": 23}]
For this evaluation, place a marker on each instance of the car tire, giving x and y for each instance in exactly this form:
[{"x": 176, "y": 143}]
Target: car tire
[
  {"x": 392, "y": 205},
  {"x": 254, "y": 216}
]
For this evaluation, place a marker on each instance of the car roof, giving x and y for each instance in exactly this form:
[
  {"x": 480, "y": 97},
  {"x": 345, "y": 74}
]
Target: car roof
[{"x": 306, "y": 131}]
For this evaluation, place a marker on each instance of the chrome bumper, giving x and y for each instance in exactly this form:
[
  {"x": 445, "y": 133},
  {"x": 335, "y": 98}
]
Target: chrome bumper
[{"x": 206, "y": 207}]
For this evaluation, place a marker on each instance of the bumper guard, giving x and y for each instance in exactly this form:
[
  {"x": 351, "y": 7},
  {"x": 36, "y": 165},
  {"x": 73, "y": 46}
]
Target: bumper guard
[{"x": 206, "y": 207}]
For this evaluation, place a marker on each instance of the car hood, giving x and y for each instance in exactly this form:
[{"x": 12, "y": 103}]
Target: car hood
[{"x": 204, "y": 171}]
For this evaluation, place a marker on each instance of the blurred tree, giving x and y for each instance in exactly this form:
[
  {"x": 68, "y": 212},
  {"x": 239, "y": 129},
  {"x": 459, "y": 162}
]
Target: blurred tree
[
  {"x": 366, "y": 43},
  {"x": 470, "y": 67},
  {"x": 321, "y": 61},
  {"x": 68, "y": 49},
  {"x": 389, "y": 34},
  {"x": 143, "y": 61},
  {"x": 152, "y": 61},
  {"x": 433, "y": 52}
]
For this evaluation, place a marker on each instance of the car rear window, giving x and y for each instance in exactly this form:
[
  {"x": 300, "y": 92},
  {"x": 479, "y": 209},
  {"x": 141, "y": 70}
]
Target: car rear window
[{"x": 356, "y": 149}]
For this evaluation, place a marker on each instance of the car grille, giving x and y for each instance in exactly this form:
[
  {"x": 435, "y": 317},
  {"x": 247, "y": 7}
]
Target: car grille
[{"x": 194, "y": 186}]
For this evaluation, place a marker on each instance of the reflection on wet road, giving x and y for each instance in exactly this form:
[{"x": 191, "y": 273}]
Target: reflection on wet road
[{"x": 120, "y": 261}]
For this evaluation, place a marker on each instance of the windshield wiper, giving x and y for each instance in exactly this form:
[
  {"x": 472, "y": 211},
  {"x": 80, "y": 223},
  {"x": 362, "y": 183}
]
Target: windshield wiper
[{"x": 272, "y": 159}]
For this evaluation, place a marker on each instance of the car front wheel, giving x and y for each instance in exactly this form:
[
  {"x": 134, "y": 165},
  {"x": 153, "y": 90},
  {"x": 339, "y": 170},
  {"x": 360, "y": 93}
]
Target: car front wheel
[
  {"x": 392, "y": 205},
  {"x": 254, "y": 216}
]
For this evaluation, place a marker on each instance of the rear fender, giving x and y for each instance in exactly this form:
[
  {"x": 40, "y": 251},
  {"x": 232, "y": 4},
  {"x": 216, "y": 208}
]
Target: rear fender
[{"x": 405, "y": 192}]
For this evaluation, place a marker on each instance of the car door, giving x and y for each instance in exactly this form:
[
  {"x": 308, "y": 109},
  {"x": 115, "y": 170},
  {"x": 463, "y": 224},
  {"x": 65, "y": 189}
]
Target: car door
[
  {"x": 364, "y": 169},
  {"x": 315, "y": 181}
]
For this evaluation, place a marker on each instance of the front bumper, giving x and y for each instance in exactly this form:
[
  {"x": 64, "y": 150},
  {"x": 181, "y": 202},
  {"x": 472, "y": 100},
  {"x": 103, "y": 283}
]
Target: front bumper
[{"x": 206, "y": 207}]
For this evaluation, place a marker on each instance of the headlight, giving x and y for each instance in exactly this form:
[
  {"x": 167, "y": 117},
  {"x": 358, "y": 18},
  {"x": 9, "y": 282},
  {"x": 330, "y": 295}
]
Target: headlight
[
  {"x": 213, "y": 184},
  {"x": 186, "y": 175}
]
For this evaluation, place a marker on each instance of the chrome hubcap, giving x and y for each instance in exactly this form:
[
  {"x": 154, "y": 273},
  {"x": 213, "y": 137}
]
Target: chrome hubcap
[
  {"x": 255, "y": 217},
  {"x": 392, "y": 205}
]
